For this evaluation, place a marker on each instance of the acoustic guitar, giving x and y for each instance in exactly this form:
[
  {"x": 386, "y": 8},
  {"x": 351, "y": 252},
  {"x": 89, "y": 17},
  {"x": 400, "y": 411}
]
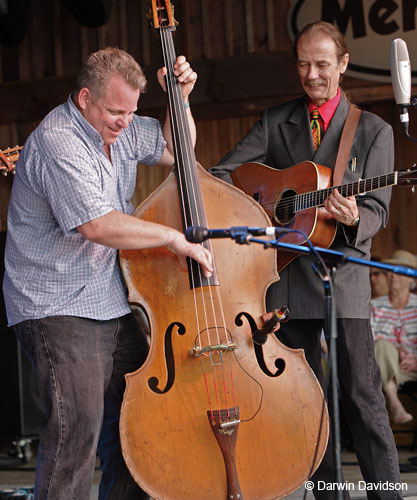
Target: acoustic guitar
[
  {"x": 294, "y": 198},
  {"x": 8, "y": 159}
]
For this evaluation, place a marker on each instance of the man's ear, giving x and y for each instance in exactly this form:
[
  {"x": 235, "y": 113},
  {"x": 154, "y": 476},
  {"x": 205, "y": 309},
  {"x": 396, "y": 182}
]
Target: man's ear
[
  {"x": 343, "y": 63},
  {"x": 83, "y": 97}
]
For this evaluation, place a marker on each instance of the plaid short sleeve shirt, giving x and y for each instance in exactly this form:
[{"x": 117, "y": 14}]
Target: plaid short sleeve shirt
[{"x": 64, "y": 179}]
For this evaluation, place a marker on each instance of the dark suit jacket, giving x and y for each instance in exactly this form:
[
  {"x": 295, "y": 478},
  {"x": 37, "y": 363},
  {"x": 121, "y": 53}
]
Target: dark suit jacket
[{"x": 282, "y": 138}]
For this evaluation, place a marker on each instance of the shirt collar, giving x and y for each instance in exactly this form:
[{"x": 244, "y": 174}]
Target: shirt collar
[
  {"x": 83, "y": 123},
  {"x": 326, "y": 110}
]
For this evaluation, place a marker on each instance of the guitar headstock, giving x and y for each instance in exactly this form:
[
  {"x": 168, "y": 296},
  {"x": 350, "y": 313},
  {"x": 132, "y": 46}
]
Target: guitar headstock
[
  {"x": 8, "y": 159},
  {"x": 161, "y": 14},
  {"x": 408, "y": 176}
]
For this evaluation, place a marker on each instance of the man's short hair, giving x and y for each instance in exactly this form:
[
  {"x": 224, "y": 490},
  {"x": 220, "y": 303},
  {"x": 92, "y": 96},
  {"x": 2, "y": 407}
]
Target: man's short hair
[{"x": 100, "y": 66}]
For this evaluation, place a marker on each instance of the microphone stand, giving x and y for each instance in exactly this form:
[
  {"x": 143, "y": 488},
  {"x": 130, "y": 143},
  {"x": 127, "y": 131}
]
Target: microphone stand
[
  {"x": 333, "y": 257},
  {"x": 320, "y": 256},
  {"x": 405, "y": 123}
]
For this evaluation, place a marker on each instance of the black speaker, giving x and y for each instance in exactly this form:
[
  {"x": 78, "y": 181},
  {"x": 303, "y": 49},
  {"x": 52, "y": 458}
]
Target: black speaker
[
  {"x": 14, "y": 21},
  {"x": 21, "y": 413},
  {"x": 93, "y": 13}
]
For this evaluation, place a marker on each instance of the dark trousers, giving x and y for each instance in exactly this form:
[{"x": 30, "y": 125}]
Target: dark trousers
[
  {"x": 80, "y": 366},
  {"x": 362, "y": 399}
]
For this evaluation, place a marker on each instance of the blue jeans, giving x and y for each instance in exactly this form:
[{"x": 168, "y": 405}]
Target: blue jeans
[{"x": 80, "y": 365}]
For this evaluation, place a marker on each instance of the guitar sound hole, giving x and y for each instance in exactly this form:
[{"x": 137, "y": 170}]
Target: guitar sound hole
[{"x": 284, "y": 207}]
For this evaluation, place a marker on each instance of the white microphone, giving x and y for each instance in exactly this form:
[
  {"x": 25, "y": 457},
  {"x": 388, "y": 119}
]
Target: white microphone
[
  {"x": 401, "y": 78},
  {"x": 198, "y": 234}
]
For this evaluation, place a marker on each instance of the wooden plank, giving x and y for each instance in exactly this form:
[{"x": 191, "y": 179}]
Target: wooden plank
[
  {"x": 234, "y": 79},
  {"x": 41, "y": 36},
  {"x": 270, "y": 28},
  {"x": 123, "y": 25},
  {"x": 192, "y": 30},
  {"x": 102, "y": 37},
  {"x": 205, "y": 26},
  {"x": 226, "y": 87},
  {"x": 188, "y": 42},
  {"x": 217, "y": 30},
  {"x": 10, "y": 66},
  {"x": 260, "y": 27},
  {"x": 133, "y": 34},
  {"x": 85, "y": 49},
  {"x": 250, "y": 38},
  {"x": 24, "y": 59},
  {"x": 228, "y": 17},
  {"x": 31, "y": 101},
  {"x": 57, "y": 39},
  {"x": 70, "y": 33},
  {"x": 281, "y": 9},
  {"x": 146, "y": 51}
]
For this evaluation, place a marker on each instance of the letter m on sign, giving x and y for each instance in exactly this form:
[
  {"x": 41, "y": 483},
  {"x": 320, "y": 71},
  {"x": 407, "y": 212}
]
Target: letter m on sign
[{"x": 352, "y": 11}]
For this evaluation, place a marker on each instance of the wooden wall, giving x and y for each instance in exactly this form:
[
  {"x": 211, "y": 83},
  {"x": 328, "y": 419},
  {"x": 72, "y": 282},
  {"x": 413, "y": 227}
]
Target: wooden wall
[{"x": 242, "y": 53}]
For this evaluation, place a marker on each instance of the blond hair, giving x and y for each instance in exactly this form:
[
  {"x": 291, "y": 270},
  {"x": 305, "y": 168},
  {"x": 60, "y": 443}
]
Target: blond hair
[{"x": 100, "y": 66}]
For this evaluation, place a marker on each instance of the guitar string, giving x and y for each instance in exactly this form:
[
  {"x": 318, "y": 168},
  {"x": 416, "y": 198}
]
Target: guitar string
[
  {"x": 311, "y": 199},
  {"x": 313, "y": 196}
]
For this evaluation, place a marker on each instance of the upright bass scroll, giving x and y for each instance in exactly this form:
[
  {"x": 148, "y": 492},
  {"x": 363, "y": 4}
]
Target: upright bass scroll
[{"x": 208, "y": 406}]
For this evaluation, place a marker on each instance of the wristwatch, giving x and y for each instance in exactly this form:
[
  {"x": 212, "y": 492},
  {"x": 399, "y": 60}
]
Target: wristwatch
[{"x": 355, "y": 223}]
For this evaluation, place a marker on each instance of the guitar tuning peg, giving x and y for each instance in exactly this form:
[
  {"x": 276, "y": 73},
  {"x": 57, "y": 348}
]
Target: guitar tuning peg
[{"x": 413, "y": 189}]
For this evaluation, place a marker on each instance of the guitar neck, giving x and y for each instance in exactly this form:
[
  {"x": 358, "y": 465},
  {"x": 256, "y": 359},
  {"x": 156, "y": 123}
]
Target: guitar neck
[{"x": 313, "y": 199}]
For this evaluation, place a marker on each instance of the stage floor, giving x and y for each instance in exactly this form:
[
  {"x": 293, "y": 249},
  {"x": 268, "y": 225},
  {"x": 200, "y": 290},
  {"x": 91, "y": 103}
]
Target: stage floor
[{"x": 21, "y": 475}]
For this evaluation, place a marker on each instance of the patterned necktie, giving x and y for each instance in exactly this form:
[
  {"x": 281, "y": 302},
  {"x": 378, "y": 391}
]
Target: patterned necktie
[{"x": 315, "y": 128}]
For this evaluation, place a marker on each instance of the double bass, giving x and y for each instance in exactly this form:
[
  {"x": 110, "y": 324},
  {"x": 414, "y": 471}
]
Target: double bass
[{"x": 211, "y": 415}]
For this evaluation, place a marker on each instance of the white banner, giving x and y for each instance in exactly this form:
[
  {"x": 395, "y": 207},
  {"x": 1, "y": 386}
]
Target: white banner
[{"x": 369, "y": 26}]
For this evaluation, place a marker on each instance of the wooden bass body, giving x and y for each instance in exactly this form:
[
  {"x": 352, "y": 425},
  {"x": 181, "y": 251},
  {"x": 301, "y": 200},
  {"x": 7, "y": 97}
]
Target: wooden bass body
[{"x": 198, "y": 372}]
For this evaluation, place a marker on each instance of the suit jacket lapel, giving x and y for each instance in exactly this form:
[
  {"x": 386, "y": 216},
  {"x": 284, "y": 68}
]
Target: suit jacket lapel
[
  {"x": 297, "y": 134},
  {"x": 327, "y": 153},
  {"x": 297, "y": 137}
]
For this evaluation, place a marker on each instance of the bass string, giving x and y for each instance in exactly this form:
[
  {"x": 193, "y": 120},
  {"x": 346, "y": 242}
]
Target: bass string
[
  {"x": 182, "y": 144},
  {"x": 193, "y": 192}
]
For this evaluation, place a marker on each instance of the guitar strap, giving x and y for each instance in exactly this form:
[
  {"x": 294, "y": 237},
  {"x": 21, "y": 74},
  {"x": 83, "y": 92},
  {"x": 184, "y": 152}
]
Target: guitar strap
[{"x": 345, "y": 145}]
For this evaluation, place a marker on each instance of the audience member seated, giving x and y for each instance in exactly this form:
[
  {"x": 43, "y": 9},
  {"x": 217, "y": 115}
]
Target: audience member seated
[
  {"x": 414, "y": 288},
  {"x": 379, "y": 282},
  {"x": 394, "y": 324}
]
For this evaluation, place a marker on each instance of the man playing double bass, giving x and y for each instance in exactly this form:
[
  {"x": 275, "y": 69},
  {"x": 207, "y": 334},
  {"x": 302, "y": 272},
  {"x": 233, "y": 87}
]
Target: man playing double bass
[
  {"x": 283, "y": 137},
  {"x": 65, "y": 297}
]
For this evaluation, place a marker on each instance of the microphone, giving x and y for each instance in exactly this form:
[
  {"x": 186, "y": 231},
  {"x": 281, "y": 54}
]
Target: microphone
[
  {"x": 401, "y": 78},
  {"x": 198, "y": 234}
]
